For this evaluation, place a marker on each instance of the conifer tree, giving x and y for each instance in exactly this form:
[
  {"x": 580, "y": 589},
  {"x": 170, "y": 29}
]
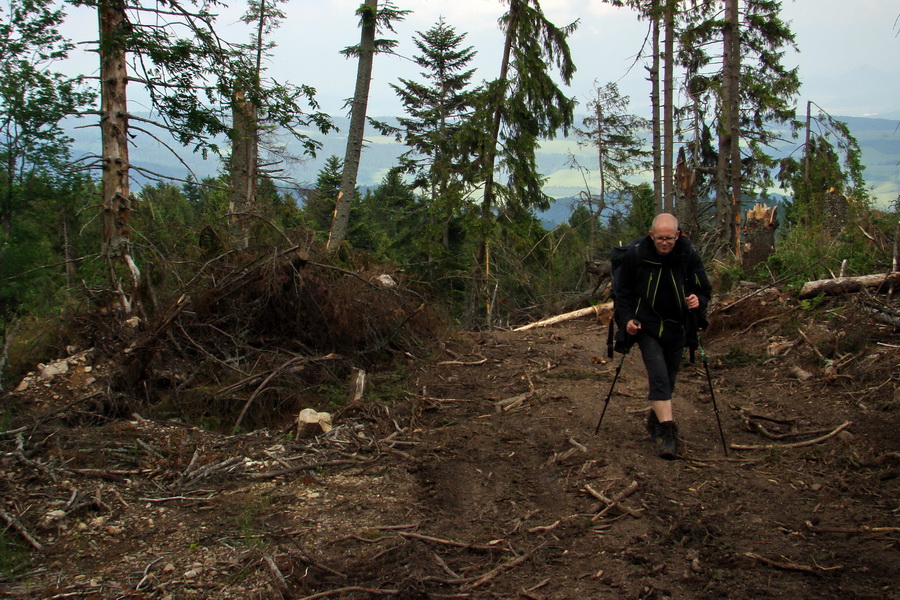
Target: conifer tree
[
  {"x": 615, "y": 135},
  {"x": 33, "y": 101},
  {"x": 738, "y": 94},
  {"x": 371, "y": 19},
  {"x": 524, "y": 104},
  {"x": 436, "y": 112}
]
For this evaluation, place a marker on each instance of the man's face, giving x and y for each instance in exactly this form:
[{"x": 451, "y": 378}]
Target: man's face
[{"x": 664, "y": 237}]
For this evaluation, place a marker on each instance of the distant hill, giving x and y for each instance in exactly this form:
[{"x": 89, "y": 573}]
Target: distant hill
[{"x": 879, "y": 140}]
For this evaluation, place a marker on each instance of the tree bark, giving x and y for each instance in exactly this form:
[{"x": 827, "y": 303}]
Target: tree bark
[
  {"x": 847, "y": 285},
  {"x": 116, "y": 195},
  {"x": 668, "y": 147},
  {"x": 355, "y": 134},
  {"x": 686, "y": 207},
  {"x": 733, "y": 76},
  {"x": 575, "y": 314},
  {"x": 243, "y": 167},
  {"x": 759, "y": 235},
  {"x": 490, "y": 157},
  {"x": 728, "y": 167},
  {"x": 655, "y": 102}
]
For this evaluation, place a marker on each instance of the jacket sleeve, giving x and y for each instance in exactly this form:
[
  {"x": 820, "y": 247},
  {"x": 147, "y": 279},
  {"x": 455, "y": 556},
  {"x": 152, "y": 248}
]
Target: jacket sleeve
[{"x": 698, "y": 283}]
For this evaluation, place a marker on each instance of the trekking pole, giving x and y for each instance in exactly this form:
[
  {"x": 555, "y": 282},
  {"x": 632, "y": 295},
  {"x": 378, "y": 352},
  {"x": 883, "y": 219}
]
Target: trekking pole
[
  {"x": 609, "y": 395},
  {"x": 712, "y": 393}
]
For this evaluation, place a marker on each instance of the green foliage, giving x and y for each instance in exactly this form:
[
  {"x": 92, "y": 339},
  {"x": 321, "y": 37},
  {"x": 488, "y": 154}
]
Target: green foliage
[
  {"x": 831, "y": 163},
  {"x": 34, "y": 340},
  {"x": 616, "y": 137},
  {"x": 738, "y": 357},
  {"x": 811, "y": 252},
  {"x": 811, "y": 304},
  {"x": 727, "y": 275},
  {"x": 14, "y": 555},
  {"x": 318, "y": 207}
]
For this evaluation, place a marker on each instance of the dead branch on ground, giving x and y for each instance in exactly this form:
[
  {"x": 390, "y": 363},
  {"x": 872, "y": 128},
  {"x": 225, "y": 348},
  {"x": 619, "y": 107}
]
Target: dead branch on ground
[
  {"x": 615, "y": 501},
  {"x": 788, "y": 566},
  {"x": 20, "y": 529},
  {"x": 818, "y": 440},
  {"x": 576, "y": 314}
]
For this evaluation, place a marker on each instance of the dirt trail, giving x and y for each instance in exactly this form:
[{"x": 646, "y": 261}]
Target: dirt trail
[{"x": 485, "y": 483}]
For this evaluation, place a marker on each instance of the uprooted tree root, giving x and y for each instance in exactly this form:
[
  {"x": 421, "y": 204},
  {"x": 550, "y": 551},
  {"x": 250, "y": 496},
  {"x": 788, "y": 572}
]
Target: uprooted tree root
[{"x": 257, "y": 339}]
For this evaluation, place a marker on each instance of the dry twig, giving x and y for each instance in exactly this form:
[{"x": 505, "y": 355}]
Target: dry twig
[
  {"x": 788, "y": 566},
  {"x": 20, "y": 529},
  {"x": 615, "y": 501},
  {"x": 818, "y": 440}
]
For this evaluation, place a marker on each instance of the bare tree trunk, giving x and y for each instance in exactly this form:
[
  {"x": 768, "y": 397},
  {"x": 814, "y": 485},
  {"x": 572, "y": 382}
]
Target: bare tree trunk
[
  {"x": 6, "y": 204},
  {"x": 759, "y": 235},
  {"x": 668, "y": 146},
  {"x": 243, "y": 168},
  {"x": 490, "y": 157},
  {"x": 686, "y": 193},
  {"x": 654, "y": 102},
  {"x": 116, "y": 195},
  {"x": 733, "y": 76},
  {"x": 339, "y": 223},
  {"x": 728, "y": 167}
]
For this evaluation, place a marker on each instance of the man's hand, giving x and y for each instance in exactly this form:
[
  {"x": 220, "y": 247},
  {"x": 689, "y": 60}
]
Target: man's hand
[
  {"x": 633, "y": 326},
  {"x": 692, "y": 302}
]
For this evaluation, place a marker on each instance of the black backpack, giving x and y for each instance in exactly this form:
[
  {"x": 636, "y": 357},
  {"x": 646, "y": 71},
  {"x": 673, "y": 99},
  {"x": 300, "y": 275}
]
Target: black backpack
[{"x": 620, "y": 342}]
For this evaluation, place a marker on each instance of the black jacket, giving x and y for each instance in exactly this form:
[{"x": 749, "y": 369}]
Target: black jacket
[{"x": 652, "y": 289}]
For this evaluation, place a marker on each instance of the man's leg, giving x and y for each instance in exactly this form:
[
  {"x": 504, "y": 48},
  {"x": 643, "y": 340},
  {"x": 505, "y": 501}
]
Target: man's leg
[
  {"x": 659, "y": 382},
  {"x": 661, "y": 370}
]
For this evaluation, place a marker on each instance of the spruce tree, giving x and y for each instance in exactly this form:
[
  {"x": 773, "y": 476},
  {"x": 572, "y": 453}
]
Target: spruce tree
[
  {"x": 737, "y": 100},
  {"x": 615, "y": 135},
  {"x": 523, "y": 105}
]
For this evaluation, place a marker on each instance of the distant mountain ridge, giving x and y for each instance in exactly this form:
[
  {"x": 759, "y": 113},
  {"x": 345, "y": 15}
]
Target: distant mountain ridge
[{"x": 878, "y": 138}]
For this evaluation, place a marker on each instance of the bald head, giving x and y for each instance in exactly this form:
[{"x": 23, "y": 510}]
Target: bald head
[
  {"x": 664, "y": 233},
  {"x": 665, "y": 220}
]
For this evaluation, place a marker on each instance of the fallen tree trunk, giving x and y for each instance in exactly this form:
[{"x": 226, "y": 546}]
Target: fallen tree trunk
[
  {"x": 846, "y": 285},
  {"x": 575, "y": 314}
]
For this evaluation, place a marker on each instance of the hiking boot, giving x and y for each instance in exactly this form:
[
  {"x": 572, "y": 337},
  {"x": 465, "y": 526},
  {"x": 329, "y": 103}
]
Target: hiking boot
[
  {"x": 667, "y": 442},
  {"x": 653, "y": 425}
]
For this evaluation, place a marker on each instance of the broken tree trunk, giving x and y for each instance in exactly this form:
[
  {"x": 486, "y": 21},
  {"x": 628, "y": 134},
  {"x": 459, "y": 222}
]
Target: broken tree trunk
[
  {"x": 846, "y": 285},
  {"x": 575, "y": 314},
  {"x": 759, "y": 235}
]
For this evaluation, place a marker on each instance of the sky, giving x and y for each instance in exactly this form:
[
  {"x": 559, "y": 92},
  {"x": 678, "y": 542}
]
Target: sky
[
  {"x": 847, "y": 55},
  {"x": 848, "y": 49}
]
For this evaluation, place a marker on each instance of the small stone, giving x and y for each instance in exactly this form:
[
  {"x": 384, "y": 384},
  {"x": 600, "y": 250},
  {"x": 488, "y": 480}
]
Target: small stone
[
  {"x": 50, "y": 371},
  {"x": 168, "y": 568},
  {"x": 385, "y": 280}
]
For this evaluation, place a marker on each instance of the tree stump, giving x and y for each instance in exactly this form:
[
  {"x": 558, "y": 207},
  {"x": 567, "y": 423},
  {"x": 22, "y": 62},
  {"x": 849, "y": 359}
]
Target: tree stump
[
  {"x": 835, "y": 208},
  {"x": 759, "y": 235}
]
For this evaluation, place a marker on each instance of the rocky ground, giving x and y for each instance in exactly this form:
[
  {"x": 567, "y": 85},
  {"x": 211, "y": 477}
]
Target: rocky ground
[{"x": 474, "y": 471}]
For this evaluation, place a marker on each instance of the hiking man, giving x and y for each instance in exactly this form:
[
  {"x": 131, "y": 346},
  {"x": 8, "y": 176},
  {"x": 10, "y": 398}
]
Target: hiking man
[{"x": 658, "y": 285}]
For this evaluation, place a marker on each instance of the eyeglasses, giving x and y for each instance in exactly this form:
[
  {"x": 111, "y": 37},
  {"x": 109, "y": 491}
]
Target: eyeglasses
[{"x": 666, "y": 238}]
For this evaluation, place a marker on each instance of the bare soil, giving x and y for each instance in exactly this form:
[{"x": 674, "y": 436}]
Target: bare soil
[{"x": 481, "y": 476}]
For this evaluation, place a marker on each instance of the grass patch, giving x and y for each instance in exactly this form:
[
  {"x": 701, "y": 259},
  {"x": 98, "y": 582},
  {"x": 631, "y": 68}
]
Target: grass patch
[
  {"x": 738, "y": 357},
  {"x": 14, "y": 555}
]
